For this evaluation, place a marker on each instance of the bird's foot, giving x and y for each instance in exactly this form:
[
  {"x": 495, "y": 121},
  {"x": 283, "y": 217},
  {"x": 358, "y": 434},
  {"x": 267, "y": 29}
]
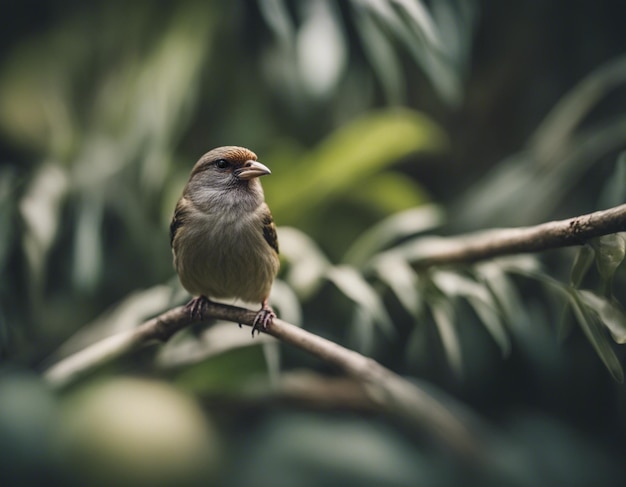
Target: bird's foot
[
  {"x": 197, "y": 306},
  {"x": 263, "y": 319}
]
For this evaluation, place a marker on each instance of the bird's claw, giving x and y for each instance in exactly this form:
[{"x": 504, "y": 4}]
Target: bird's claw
[
  {"x": 262, "y": 320},
  {"x": 197, "y": 306}
]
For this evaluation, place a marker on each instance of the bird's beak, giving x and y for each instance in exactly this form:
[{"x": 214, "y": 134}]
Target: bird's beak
[{"x": 252, "y": 169}]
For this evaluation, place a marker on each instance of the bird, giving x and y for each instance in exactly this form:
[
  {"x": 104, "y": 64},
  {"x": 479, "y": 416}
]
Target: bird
[{"x": 222, "y": 234}]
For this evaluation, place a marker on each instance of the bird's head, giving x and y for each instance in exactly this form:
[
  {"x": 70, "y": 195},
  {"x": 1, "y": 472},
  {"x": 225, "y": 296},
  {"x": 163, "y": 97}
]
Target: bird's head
[{"x": 227, "y": 173}]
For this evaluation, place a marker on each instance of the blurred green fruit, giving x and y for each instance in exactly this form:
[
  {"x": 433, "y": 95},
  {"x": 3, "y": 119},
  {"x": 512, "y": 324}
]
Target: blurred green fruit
[{"x": 137, "y": 432}]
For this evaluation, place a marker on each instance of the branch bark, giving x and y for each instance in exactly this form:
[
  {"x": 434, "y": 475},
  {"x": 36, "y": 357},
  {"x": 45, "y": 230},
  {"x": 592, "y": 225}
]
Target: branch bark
[{"x": 498, "y": 242}]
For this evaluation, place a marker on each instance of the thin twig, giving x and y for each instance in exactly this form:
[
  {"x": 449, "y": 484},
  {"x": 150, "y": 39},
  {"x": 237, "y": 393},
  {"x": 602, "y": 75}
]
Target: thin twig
[{"x": 507, "y": 241}]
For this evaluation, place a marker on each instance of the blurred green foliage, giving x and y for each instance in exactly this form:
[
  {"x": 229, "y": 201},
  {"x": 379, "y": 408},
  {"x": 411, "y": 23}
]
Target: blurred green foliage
[{"x": 382, "y": 121}]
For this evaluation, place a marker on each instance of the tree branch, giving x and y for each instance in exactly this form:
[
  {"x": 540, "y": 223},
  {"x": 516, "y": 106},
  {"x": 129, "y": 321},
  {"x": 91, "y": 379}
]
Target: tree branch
[
  {"x": 497, "y": 242},
  {"x": 386, "y": 390}
]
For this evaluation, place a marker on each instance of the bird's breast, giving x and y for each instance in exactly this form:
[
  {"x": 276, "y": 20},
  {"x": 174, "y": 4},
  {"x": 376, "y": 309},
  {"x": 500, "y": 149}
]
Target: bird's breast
[{"x": 225, "y": 256}]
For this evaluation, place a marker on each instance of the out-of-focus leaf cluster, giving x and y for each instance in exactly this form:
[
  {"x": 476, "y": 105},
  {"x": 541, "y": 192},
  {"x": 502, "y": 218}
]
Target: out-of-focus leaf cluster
[
  {"x": 565, "y": 148},
  {"x": 312, "y": 54},
  {"x": 103, "y": 112}
]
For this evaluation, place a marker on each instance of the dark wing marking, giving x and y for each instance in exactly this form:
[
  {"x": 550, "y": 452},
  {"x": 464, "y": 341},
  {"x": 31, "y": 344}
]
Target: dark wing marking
[
  {"x": 269, "y": 229},
  {"x": 178, "y": 219}
]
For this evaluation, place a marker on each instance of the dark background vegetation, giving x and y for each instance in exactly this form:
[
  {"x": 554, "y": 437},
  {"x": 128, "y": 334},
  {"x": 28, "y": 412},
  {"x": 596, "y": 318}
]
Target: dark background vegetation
[{"x": 462, "y": 116}]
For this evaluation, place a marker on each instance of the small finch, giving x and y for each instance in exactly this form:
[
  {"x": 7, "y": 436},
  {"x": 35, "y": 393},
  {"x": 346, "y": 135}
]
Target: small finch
[{"x": 222, "y": 234}]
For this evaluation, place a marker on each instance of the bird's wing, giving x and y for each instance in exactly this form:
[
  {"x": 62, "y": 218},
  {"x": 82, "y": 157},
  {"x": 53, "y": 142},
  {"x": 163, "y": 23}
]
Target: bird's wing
[
  {"x": 178, "y": 220},
  {"x": 269, "y": 229}
]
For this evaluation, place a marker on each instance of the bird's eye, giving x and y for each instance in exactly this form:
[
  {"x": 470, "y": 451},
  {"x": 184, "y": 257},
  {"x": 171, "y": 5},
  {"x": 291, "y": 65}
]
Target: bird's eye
[{"x": 222, "y": 163}]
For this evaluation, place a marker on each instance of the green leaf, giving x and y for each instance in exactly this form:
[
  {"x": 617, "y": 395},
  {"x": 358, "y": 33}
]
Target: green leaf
[
  {"x": 272, "y": 355},
  {"x": 402, "y": 280},
  {"x": 609, "y": 311},
  {"x": 614, "y": 191},
  {"x": 88, "y": 254},
  {"x": 611, "y": 250},
  {"x": 561, "y": 123},
  {"x": 382, "y": 55},
  {"x": 443, "y": 315},
  {"x": 395, "y": 227},
  {"x": 489, "y": 315},
  {"x": 285, "y": 299},
  {"x": 411, "y": 24},
  {"x": 582, "y": 262},
  {"x": 129, "y": 313},
  {"x": 596, "y": 335},
  {"x": 40, "y": 209},
  {"x": 480, "y": 299},
  {"x": 417, "y": 345},
  {"x": 307, "y": 263},
  {"x": 501, "y": 287},
  {"x": 519, "y": 264},
  {"x": 355, "y": 287},
  {"x": 348, "y": 157},
  {"x": 565, "y": 290},
  {"x": 565, "y": 325},
  {"x": 228, "y": 371},
  {"x": 388, "y": 192},
  {"x": 361, "y": 331},
  {"x": 189, "y": 348},
  {"x": 408, "y": 18}
]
